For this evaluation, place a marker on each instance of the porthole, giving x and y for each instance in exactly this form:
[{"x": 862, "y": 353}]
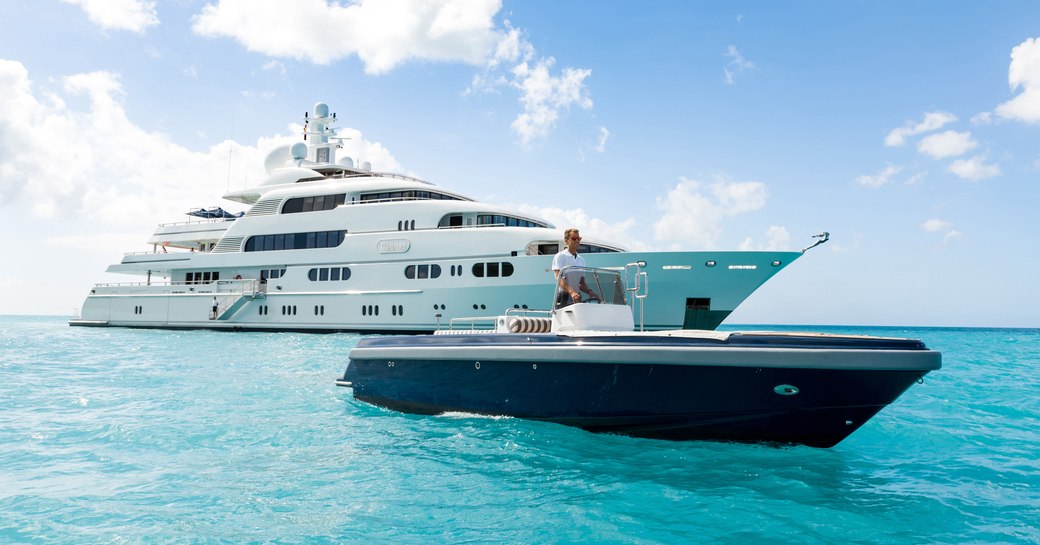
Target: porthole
[
  {"x": 710, "y": 263},
  {"x": 775, "y": 263}
]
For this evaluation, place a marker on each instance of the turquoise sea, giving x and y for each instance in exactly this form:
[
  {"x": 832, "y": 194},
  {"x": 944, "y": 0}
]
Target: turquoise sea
[{"x": 137, "y": 436}]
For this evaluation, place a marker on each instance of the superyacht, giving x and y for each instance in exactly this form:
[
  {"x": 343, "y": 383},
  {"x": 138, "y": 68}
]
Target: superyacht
[{"x": 330, "y": 245}]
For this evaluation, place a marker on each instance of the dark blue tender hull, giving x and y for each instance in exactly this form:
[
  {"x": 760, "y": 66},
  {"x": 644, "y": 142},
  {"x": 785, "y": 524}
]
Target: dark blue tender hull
[{"x": 751, "y": 395}]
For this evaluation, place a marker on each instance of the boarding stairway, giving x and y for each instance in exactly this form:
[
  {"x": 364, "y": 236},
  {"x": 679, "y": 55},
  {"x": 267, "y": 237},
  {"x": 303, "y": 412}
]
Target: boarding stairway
[{"x": 240, "y": 292}]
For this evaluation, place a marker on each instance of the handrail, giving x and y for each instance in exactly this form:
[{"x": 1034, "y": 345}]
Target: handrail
[
  {"x": 200, "y": 222},
  {"x": 526, "y": 311},
  {"x": 246, "y": 284},
  {"x": 473, "y": 320}
]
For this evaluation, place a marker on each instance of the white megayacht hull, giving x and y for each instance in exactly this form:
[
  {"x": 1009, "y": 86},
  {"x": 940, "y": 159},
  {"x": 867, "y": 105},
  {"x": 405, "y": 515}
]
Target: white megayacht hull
[
  {"x": 377, "y": 297},
  {"x": 327, "y": 246}
]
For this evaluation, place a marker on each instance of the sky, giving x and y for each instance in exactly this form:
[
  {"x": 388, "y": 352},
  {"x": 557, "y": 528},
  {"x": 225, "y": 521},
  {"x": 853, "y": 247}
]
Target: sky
[{"x": 910, "y": 131}]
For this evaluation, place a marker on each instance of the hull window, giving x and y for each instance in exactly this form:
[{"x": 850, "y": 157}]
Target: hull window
[
  {"x": 492, "y": 269},
  {"x": 326, "y": 274},
  {"x": 413, "y": 272}
]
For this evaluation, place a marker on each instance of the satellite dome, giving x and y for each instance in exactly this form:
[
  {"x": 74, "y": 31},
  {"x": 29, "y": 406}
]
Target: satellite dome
[
  {"x": 299, "y": 151},
  {"x": 321, "y": 110},
  {"x": 346, "y": 162}
]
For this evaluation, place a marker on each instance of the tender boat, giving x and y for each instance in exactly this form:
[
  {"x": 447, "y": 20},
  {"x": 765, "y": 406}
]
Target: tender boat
[
  {"x": 327, "y": 244},
  {"x": 584, "y": 365}
]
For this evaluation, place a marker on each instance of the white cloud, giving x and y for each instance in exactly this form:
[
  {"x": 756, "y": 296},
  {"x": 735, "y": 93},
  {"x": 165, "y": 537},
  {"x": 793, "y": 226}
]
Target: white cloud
[
  {"x": 133, "y": 15},
  {"x": 274, "y": 66},
  {"x": 545, "y": 96},
  {"x": 114, "y": 172},
  {"x": 383, "y": 34},
  {"x": 982, "y": 118},
  {"x": 881, "y": 178},
  {"x": 387, "y": 33},
  {"x": 974, "y": 169},
  {"x": 929, "y": 122},
  {"x": 934, "y": 225},
  {"x": 777, "y": 239},
  {"x": 12, "y": 283},
  {"x": 694, "y": 211},
  {"x": 601, "y": 144},
  {"x": 946, "y": 144},
  {"x": 916, "y": 178},
  {"x": 736, "y": 64},
  {"x": 1024, "y": 74},
  {"x": 591, "y": 228}
]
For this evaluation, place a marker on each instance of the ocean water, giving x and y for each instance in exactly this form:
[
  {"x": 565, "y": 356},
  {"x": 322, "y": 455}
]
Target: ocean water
[{"x": 138, "y": 436}]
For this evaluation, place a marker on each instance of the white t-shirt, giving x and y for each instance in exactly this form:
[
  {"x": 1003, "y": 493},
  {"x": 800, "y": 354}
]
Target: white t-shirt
[{"x": 566, "y": 259}]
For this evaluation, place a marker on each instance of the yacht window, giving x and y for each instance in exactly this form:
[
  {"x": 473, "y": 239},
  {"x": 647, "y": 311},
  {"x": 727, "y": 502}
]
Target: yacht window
[
  {"x": 295, "y": 241},
  {"x": 409, "y": 272},
  {"x": 451, "y": 220},
  {"x": 424, "y": 271},
  {"x": 410, "y": 194},
  {"x": 316, "y": 203},
  {"x": 593, "y": 249},
  {"x": 492, "y": 269},
  {"x": 435, "y": 271},
  {"x": 325, "y": 274}
]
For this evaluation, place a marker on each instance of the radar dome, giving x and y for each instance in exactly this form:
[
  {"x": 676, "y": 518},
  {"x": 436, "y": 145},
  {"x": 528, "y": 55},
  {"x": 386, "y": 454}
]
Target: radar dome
[
  {"x": 299, "y": 151},
  {"x": 321, "y": 110},
  {"x": 277, "y": 158},
  {"x": 346, "y": 162}
]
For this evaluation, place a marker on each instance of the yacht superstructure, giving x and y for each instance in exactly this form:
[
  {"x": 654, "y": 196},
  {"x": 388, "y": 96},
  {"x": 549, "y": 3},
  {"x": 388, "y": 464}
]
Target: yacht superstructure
[{"x": 334, "y": 246}]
